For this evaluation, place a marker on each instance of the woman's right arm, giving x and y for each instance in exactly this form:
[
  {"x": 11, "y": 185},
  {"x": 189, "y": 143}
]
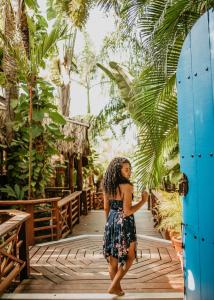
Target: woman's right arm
[
  {"x": 106, "y": 205},
  {"x": 128, "y": 208}
]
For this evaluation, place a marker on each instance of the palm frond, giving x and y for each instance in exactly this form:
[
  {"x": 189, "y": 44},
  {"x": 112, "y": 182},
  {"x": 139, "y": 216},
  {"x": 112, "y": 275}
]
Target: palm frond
[{"x": 113, "y": 113}]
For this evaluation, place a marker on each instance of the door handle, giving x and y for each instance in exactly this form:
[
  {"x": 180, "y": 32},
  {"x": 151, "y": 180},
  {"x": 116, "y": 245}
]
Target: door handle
[{"x": 183, "y": 185}]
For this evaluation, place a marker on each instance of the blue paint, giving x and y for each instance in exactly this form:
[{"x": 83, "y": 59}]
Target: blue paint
[{"x": 195, "y": 85}]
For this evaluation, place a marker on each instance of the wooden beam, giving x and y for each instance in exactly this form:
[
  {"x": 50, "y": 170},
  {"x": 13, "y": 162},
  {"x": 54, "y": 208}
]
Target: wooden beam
[
  {"x": 79, "y": 174},
  {"x": 71, "y": 173}
]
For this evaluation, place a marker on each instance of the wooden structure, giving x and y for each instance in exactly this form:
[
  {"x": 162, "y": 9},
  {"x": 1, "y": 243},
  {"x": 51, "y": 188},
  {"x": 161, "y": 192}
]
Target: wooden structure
[
  {"x": 98, "y": 200},
  {"x": 14, "y": 256},
  {"x": 77, "y": 266},
  {"x": 51, "y": 218},
  {"x": 75, "y": 151},
  {"x": 87, "y": 198}
]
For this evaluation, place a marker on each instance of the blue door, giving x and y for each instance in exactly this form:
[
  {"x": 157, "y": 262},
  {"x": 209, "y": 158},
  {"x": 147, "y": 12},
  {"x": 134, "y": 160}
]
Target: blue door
[{"x": 195, "y": 86}]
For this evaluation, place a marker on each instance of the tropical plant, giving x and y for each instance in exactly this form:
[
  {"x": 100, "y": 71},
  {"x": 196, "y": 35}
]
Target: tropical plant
[
  {"x": 170, "y": 212},
  {"x": 92, "y": 168},
  {"x": 162, "y": 26},
  {"x": 87, "y": 68},
  {"x": 34, "y": 138},
  {"x": 76, "y": 10},
  {"x": 45, "y": 131},
  {"x": 16, "y": 192}
]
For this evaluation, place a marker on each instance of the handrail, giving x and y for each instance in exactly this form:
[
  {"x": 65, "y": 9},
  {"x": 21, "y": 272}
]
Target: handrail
[
  {"x": 28, "y": 202},
  {"x": 50, "y": 218},
  {"x": 13, "y": 248},
  {"x": 16, "y": 217},
  {"x": 68, "y": 198}
]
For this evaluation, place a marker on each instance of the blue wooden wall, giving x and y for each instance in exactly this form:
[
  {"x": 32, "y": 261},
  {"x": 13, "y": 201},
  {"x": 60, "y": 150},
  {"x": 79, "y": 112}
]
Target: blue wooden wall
[{"x": 195, "y": 86}]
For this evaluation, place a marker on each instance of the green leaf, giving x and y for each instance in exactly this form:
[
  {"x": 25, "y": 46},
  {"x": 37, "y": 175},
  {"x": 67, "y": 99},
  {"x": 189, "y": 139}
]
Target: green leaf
[
  {"x": 36, "y": 131},
  {"x": 32, "y": 4},
  {"x": 14, "y": 103},
  {"x": 57, "y": 118},
  {"x": 17, "y": 190},
  {"x": 38, "y": 115}
]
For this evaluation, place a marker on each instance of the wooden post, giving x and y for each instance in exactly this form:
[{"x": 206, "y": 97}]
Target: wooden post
[
  {"x": 57, "y": 218},
  {"x": 80, "y": 181},
  {"x": 70, "y": 216},
  {"x": 90, "y": 198},
  {"x": 30, "y": 224},
  {"x": 79, "y": 174},
  {"x": 79, "y": 201},
  {"x": 149, "y": 200},
  {"x": 1, "y": 160},
  {"x": 83, "y": 202},
  {"x": 24, "y": 252},
  {"x": 71, "y": 172}
]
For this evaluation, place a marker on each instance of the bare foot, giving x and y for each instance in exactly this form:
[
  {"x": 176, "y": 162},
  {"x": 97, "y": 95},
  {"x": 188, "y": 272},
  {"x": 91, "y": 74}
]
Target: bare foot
[
  {"x": 120, "y": 289},
  {"x": 116, "y": 291}
]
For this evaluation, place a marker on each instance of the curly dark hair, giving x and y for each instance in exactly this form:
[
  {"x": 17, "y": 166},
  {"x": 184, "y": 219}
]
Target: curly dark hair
[{"x": 113, "y": 176}]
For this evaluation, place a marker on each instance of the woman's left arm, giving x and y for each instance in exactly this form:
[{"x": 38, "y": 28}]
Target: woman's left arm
[{"x": 106, "y": 205}]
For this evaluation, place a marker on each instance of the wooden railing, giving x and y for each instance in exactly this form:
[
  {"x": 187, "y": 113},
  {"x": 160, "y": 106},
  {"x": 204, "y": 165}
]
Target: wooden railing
[
  {"x": 51, "y": 218},
  {"x": 14, "y": 256},
  {"x": 98, "y": 201},
  {"x": 69, "y": 213},
  {"x": 57, "y": 191},
  {"x": 86, "y": 201}
]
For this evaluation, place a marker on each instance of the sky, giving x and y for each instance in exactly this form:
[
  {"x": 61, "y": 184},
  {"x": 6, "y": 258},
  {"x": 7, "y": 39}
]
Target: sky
[{"x": 98, "y": 26}]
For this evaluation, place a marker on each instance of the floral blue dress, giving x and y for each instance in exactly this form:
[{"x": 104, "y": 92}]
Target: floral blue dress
[{"x": 119, "y": 232}]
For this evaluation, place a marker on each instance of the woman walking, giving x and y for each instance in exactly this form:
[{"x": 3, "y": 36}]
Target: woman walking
[{"x": 120, "y": 242}]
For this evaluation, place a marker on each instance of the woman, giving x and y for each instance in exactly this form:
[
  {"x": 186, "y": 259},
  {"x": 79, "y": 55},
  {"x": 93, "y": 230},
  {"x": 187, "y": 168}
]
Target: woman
[{"x": 120, "y": 242}]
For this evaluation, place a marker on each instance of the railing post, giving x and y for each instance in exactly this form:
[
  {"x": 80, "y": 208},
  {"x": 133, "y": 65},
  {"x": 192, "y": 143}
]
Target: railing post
[
  {"x": 57, "y": 215},
  {"x": 23, "y": 252},
  {"x": 70, "y": 216},
  {"x": 30, "y": 224},
  {"x": 78, "y": 208},
  {"x": 83, "y": 203},
  {"x": 71, "y": 173},
  {"x": 90, "y": 200}
]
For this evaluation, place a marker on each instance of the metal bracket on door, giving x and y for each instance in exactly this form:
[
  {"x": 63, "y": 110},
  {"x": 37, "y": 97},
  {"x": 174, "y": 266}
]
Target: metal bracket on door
[{"x": 183, "y": 185}]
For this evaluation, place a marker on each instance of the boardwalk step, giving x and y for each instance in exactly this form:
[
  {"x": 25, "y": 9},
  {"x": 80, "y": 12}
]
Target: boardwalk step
[{"x": 94, "y": 296}]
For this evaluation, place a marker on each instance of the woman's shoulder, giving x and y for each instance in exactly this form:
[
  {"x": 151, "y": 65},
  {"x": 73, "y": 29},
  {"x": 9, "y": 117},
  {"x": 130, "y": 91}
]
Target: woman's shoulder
[{"x": 126, "y": 187}]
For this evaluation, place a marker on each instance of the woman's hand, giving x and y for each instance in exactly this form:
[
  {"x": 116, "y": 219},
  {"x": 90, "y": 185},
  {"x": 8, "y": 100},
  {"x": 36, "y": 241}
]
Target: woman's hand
[{"x": 144, "y": 196}]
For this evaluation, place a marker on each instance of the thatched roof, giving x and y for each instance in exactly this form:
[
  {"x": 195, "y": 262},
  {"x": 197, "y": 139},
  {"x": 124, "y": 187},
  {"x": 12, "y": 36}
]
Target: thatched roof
[{"x": 78, "y": 131}]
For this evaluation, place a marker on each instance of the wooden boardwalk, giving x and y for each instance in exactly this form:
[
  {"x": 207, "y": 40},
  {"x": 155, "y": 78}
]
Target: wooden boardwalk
[{"x": 76, "y": 264}]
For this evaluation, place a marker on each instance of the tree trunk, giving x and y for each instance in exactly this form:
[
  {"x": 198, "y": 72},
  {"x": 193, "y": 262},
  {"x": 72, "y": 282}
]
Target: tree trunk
[
  {"x": 64, "y": 92},
  {"x": 9, "y": 67},
  {"x": 88, "y": 100}
]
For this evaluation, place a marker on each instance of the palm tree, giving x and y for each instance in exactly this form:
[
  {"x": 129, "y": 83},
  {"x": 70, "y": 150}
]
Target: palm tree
[
  {"x": 163, "y": 26},
  {"x": 9, "y": 63}
]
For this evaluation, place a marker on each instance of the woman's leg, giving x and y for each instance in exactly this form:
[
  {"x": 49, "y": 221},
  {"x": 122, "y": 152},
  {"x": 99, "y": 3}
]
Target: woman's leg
[
  {"x": 121, "y": 272},
  {"x": 113, "y": 268}
]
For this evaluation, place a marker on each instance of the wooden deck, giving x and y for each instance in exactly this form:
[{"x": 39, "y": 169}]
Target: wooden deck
[{"x": 76, "y": 264}]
